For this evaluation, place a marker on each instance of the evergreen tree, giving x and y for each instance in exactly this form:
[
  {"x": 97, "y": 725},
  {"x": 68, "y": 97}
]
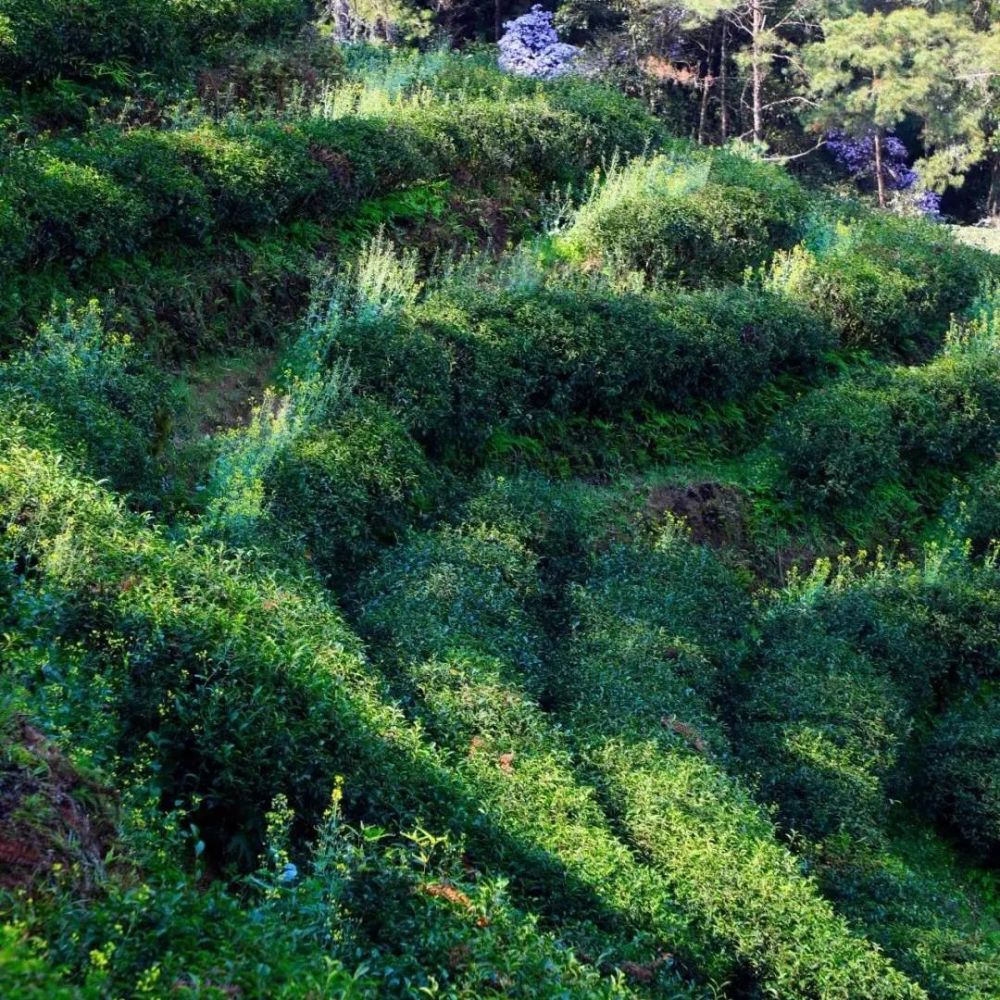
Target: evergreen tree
[{"x": 871, "y": 72}]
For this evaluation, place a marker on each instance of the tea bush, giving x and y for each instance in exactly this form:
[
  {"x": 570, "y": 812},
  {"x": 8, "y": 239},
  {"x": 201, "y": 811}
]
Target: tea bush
[
  {"x": 83, "y": 212},
  {"x": 660, "y": 772},
  {"x": 461, "y": 694},
  {"x": 963, "y": 771},
  {"x": 980, "y": 521},
  {"x": 882, "y": 282},
  {"x": 893, "y": 424},
  {"x": 53, "y": 38},
  {"x": 624, "y": 125},
  {"x": 466, "y": 361},
  {"x": 195, "y": 631},
  {"x": 384, "y": 718},
  {"x": 321, "y": 931},
  {"x": 672, "y": 220},
  {"x": 92, "y": 393},
  {"x": 71, "y": 211},
  {"x": 822, "y": 724},
  {"x": 839, "y": 443},
  {"x": 350, "y": 488}
]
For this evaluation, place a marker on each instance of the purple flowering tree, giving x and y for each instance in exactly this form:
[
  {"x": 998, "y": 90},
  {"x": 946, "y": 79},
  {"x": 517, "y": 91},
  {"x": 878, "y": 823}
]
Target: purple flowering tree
[
  {"x": 531, "y": 47},
  {"x": 857, "y": 154}
]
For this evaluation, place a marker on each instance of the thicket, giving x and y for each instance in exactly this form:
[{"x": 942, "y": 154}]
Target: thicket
[{"x": 55, "y": 39}]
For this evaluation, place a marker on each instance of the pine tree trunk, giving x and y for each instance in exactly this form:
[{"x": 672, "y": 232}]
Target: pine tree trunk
[
  {"x": 497, "y": 19},
  {"x": 757, "y": 68},
  {"x": 879, "y": 172},
  {"x": 706, "y": 86},
  {"x": 723, "y": 76},
  {"x": 993, "y": 198}
]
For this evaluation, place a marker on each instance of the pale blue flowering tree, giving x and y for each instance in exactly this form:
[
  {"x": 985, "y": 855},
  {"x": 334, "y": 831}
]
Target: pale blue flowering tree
[{"x": 530, "y": 46}]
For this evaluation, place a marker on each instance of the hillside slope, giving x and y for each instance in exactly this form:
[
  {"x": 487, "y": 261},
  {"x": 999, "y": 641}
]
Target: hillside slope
[{"x": 594, "y": 594}]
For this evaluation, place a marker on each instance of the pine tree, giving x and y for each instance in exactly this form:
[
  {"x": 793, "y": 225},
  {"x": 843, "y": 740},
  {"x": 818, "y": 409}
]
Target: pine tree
[{"x": 872, "y": 71}]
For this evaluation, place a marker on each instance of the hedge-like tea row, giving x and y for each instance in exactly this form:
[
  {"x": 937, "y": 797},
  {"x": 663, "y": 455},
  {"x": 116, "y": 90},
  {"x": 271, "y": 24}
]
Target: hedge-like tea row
[
  {"x": 77, "y": 38},
  {"x": 84, "y": 212},
  {"x": 686, "y": 216},
  {"x": 844, "y": 440},
  {"x": 460, "y": 365},
  {"x": 883, "y": 282},
  {"x": 451, "y": 613},
  {"x": 112, "y": 191}
]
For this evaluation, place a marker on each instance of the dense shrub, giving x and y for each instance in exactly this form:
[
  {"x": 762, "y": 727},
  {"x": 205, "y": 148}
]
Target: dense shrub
[
  {"x": 963, "y": 602},
  {"x": 408, "y": 915},
  {"x": 557, "y": 521},
  {"x": 86, "y": 211},
  {"x": 237, "y": 685},
  {"x": 672, "y": 803},
  {"x": 884, "y": 282},
  {"x": 822, "y": 726},
  {"x": 585, "y": 756},
  {"x": 839, "y": 443},
  {"x": 54, "y": 38},
  {"x": 457, "y": 589},
  {"x": 624, "y": 125},
  {"x": 652, "y": 635},
  {"x": 962, "y": 762},
  {"x": 980, "y": 518},
  {"x": 693, "y": 820},
  {"x": 467, "y": 361},
  {"x": 784, "y": 199},
  {"x": 349, "y": 488},
  {"x": 894, "y": 424},
  {"x": 90, "y": 393},
  {"x": 176, "y": 199},
  {"x": 672, "y": 646},
  {"x": 253, "y": 174},
  {"x": 670, "y": 219},
  {"x": 949, "y": 410},
  {"x": 71, "y": 211},
  {"x": 928, "y": 625}
]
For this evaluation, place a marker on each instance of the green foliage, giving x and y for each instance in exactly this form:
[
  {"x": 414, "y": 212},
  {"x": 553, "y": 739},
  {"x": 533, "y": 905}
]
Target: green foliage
[
  {"x": 456, "y": 590},
  {"x": 53, "y": 38},
  {"x": 84, "y": 212},
  {"x": 192, "y": 628},
  {"x": 268, "y": 936},
  {"x": 87, "y": 390},
  {"x": 822, "y": 725},
  {"x": 349, "y": 488},
  {"x": 466, "y": 362},
  {"x": 963, "y": 771},
  {"x": 892, "y": 424},
  {"x": 24, "y": 968},
  {"x": 686, "y": 217},
  {"x": 980, "y": 518},
  {"x": 550, "y": 741},
  {"x": 883, "y": 282},
  {"x": 839, "y": 443},
  {"x": 651, "y": 738},
  {"x": 71, "y": 211}
]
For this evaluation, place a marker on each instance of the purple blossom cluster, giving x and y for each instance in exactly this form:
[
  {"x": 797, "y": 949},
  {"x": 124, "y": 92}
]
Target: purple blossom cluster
[
  {"x": 928, "y": 202},
  {"x": 856, "y": 154},
  {"x": 531, "y": 47}
]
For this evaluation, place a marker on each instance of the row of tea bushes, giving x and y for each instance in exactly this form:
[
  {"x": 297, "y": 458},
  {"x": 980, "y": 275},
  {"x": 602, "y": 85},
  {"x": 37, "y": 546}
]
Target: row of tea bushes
[
  {"x": 843, "y": 441},
  {"x": 451, "y": 614},
  {"x": 51, "y": 39}
]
